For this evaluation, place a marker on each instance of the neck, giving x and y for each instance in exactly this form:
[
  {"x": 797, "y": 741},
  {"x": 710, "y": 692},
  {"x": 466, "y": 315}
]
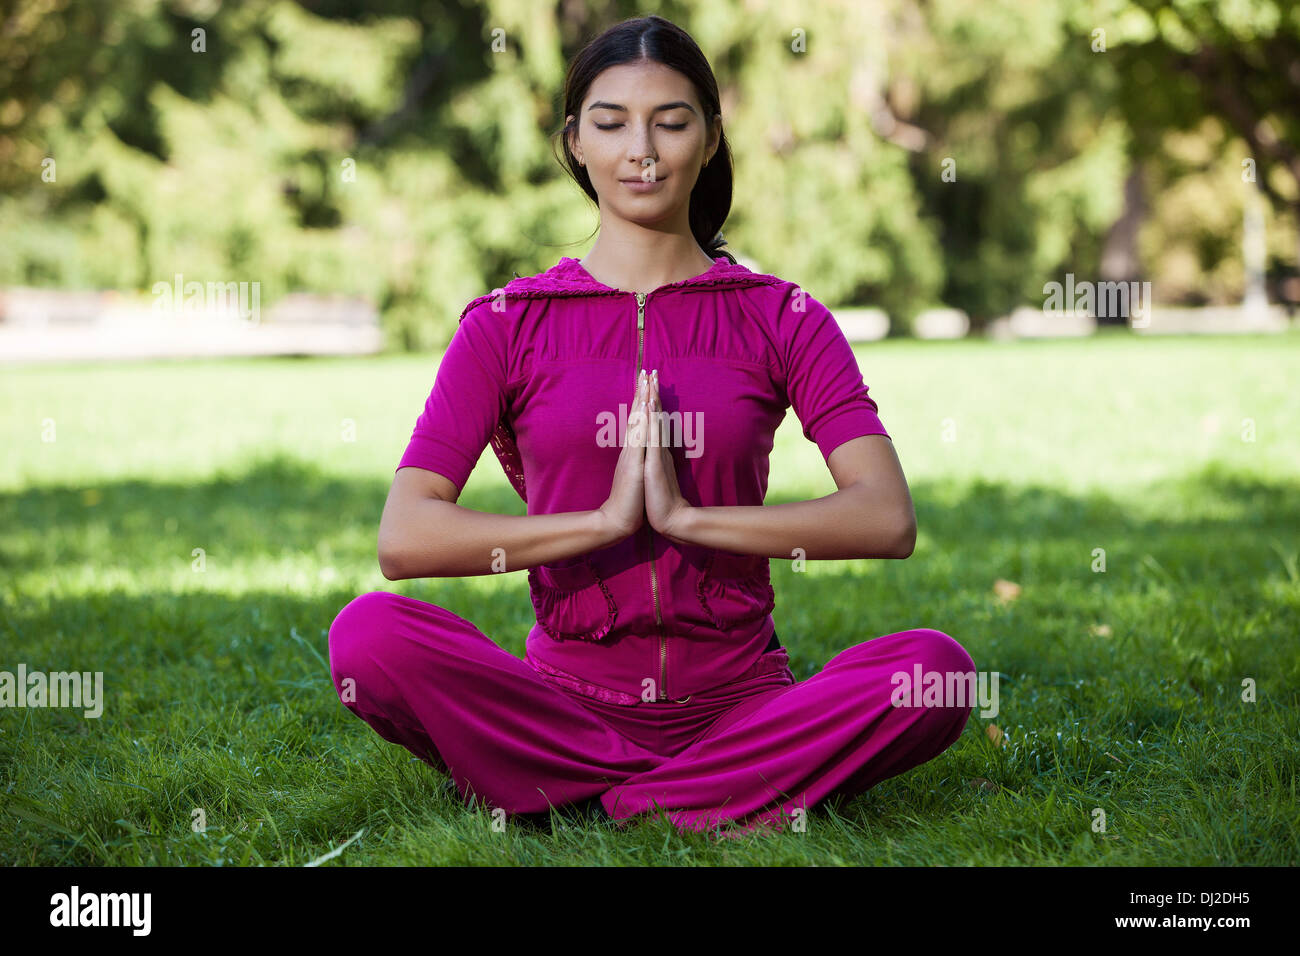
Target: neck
[{"x": 640, "y": 259}]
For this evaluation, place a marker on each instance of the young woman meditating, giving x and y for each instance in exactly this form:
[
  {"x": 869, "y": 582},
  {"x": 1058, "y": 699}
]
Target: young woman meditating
[{"x": 654, "y": 678}]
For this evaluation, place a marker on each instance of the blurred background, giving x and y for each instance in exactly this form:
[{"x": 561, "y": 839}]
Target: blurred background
[
  {"x": 366, "y": 168},
  {"x": 1102, "y": 490}
]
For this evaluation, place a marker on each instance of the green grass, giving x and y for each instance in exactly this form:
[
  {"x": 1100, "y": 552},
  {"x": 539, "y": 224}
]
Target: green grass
[{"x": 218, "y": 696}]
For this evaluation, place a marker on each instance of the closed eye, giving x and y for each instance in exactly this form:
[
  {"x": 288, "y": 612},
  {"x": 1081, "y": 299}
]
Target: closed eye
[{"x": 663, "y": 125}]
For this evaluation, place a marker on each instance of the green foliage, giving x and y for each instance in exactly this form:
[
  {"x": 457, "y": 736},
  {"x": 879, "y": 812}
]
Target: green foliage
[{"x": 402, "y": 150}]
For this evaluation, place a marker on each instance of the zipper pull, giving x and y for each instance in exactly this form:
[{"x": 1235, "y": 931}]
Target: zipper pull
[{"x": 640, "y": 310}]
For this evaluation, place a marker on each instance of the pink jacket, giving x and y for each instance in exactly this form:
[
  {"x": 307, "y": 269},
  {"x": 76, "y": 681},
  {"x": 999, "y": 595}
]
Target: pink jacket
[{"x": 545, "y": 368}]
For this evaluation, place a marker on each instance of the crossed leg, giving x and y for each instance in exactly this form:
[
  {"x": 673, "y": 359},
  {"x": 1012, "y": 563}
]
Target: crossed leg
[
  {"x": 837, "y": 732},
  {"x": 429, "y": 680}
]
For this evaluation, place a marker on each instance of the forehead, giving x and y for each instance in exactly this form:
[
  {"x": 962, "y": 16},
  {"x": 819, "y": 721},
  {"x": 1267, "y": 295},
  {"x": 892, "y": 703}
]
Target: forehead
[{"x": 643, "y": 83}]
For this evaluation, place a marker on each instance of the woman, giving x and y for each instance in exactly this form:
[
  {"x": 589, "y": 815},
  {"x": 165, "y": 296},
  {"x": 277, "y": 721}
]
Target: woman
[{"x": 654, "y": 677}]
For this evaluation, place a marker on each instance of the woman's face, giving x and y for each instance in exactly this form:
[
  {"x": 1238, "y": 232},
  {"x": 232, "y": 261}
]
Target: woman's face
[{"x": 643, "y": 161}]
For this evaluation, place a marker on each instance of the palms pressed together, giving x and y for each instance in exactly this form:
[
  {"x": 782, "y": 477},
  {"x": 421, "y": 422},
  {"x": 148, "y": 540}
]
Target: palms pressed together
[{"x": 664, "y": 507}]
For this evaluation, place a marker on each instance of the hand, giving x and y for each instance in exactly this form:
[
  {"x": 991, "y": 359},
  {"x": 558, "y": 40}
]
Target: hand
[
  {"x": 665, "y": 507},
  {"x": 624, "y": 509}
]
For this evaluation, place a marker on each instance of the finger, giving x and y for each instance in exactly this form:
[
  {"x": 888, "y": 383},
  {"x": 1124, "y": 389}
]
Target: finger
[
  {"x": 638, "y": 392},
  {"x": 638, "y": 397},
  {"x": 643, "y": 423},
  {"x": 642, "y": 401},
  {"x": 654, "y": 406},
  {"x": 635, "y": 427}
]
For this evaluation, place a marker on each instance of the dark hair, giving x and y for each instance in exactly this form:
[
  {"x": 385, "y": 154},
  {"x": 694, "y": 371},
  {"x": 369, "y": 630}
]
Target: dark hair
[{"x": 661, "y": 41}]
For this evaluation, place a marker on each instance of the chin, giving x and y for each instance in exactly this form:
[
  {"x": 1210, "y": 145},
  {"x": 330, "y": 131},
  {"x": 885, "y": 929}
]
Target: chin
[
  {"x": 647, "y": 218},
  {"x": 648, "y": 207}
]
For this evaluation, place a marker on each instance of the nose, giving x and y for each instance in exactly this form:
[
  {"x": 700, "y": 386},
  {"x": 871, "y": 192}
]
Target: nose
[{"x": 641, "y": 150}]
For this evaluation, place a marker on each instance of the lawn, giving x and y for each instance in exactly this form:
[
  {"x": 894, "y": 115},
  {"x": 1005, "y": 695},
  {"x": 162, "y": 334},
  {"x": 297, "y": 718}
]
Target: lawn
[{"x": 191, "y": 528}]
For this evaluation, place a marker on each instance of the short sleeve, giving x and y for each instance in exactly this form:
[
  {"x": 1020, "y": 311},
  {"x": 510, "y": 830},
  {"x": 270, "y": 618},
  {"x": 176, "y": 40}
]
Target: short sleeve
[
  {"x": 823, "y": 381},
  {"x": 467, "y": 400}
]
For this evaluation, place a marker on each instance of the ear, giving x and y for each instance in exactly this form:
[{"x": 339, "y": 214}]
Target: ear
[
  {"x": 715, "y": 137},
  {"x": 572, "y": 137}
]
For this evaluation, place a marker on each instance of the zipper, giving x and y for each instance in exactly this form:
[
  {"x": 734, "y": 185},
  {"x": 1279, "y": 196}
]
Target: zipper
[{"x": 650, "y": 540}]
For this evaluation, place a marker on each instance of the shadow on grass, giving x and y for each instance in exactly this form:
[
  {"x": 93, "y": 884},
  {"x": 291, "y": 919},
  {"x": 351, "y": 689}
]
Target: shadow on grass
[
  {"x": 1213, "y": 535},
  {"x": 281, "y": 507},
  {"x": 1199, "y": 587}
]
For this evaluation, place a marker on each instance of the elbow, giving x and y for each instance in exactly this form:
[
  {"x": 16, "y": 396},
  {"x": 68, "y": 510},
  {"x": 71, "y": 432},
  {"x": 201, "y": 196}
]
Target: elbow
[
  {"x": 390, "y": 563},
  {"x": 388, "y": 566},
  {"x": 399, "y": 565},
  {"x": 905, "y": 540}
]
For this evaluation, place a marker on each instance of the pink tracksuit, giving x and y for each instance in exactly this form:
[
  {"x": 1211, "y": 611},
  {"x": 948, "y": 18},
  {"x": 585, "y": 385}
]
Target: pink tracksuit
[{"x": 653, "y": 677}]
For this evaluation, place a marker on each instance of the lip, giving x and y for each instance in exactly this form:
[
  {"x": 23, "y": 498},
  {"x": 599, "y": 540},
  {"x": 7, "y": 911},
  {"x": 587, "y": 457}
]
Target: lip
[{"x": 639, "y": 185}]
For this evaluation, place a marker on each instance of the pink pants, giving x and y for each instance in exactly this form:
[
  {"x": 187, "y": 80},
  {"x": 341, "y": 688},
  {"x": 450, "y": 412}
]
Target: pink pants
[{"x": 755, "y": 750}]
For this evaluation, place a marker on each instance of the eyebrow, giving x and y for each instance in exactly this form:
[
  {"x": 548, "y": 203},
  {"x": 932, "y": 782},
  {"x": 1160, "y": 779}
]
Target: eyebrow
[{"x": 678, "y": 104}]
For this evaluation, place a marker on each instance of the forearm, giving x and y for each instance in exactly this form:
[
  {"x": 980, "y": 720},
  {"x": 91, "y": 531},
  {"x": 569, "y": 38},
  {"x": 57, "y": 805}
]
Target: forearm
[
  {"x": 849, "y": 523},
  {"x": 436, "y": 539}
]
